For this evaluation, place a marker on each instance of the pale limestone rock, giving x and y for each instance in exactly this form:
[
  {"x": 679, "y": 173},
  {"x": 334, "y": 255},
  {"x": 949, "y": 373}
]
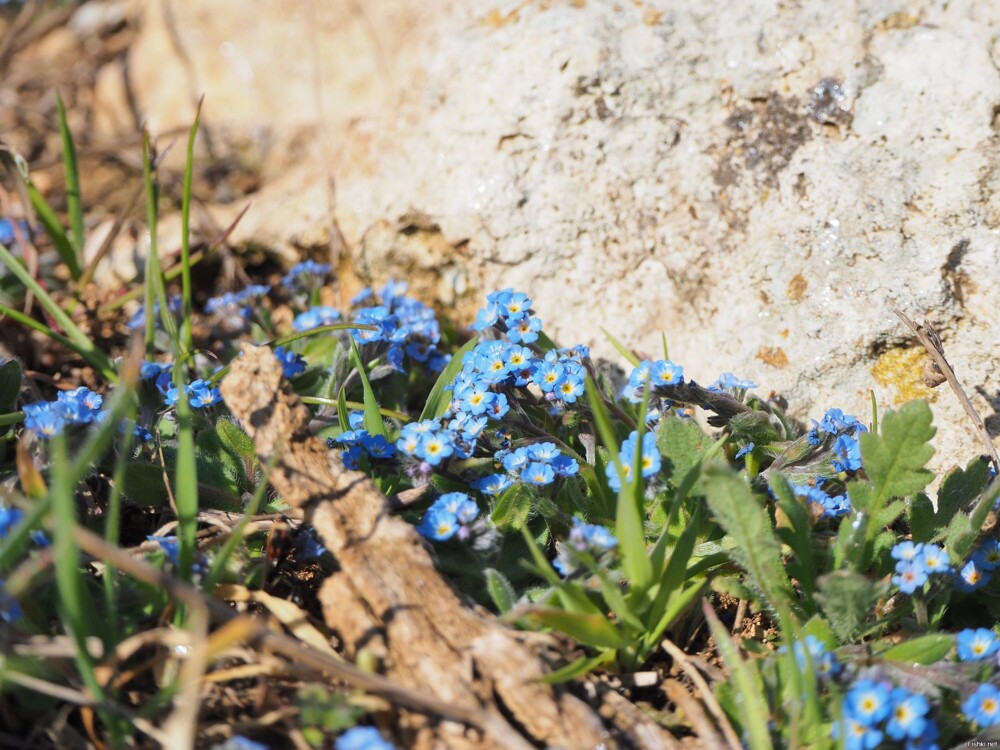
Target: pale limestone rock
[{"x": 759, "y": 180}]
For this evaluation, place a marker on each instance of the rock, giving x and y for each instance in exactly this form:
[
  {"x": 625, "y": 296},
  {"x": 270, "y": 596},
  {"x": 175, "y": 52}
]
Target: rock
[{"x": 760, "y": 181}]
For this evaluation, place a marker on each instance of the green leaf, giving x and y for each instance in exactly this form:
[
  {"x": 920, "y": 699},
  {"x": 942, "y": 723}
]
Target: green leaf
[
  {"x": 373, "y": 418},
  {"x": 964, "y": 529},
  {"x": 924, "y": 650},
  {"x": 10, "y": 384},
  {"x": 958, "y": 490},
  {"x": 236, "y": 441},
  {"x": 143, "y": 484},
  {"x": 586, "y": 629},
  {"x": 343, "y": 416},
  {"x": 439, "y": 398},
  {"x": 749, "y": 688},
  {"x": 847, "y": 599},
  {"x": 894, "y": 461},
  {"x": 500, "y": 590},
  {"x": 682, "y": 445},
  {"x": 749, "y": 524},
  {"x": 513, "y": 508}
]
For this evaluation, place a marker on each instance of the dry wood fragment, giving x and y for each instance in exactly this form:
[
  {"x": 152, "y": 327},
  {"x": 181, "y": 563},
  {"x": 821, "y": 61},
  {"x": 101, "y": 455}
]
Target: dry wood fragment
[{"x": 388, "y": 597}]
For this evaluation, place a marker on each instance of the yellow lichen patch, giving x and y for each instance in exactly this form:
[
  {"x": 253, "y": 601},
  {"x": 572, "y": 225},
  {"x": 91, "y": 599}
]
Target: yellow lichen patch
[
  {"x": 773, "y": 356},
  {"x": 903, "y": 369},
  {"x": 797, "y": 287}
]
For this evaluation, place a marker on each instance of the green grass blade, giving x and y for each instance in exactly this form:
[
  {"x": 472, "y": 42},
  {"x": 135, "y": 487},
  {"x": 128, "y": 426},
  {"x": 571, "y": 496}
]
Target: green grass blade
[
  {"x": 624, "y": 350},
  {"x": 439, "y": 398},
  {"x": 186, "y": 336},
  {"x": 74, "y": 196},
  {"x": 93, "y": 356},
  {"x": 53, "y": 228},
  {"x": 753, "y": 709},
  {"x": 75, "y": 611}
]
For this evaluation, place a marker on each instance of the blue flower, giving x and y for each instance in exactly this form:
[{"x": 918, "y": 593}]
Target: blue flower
[
  {"x": 315, "y": 317},
  {"x": 907, "y": 720},
  {"x": 972, "y": 577},
  {"x": 434, "y": 448},
  {"x": 583, "y": 537},
  {"x": 43, "y": 420},
  {"x": 824, "y": 662},
  {"x": 857, "y": 735},
  {"x": 547, "y": 375},
  {"x": 524, "y": 330},
  {"x": 906, "y": 551},
  {"x": 493, "y": 484},
  {"x": 9, "y": 518},
  {"x": 664, "y": 373},
  {"x": 910, "y": 575},
  {"x": 538, "y": 474},
  {"x": 200, "y": 392},
  {"x": 729, "y": 381},
  {"x": 291, "y": 363},
  {"x": 438, "y": 524},
  {"x": 983, "y": 706},
  {"x": 847, "y": 452},
  {"x": 362, "y": 738},
  {"x": 570, "y": 388},
  {"x": 987, "y": 556},
  {"x": 934, "y": 559},
  {"x": 868, "y": 702},
  {"x": 978, "y": 644}
]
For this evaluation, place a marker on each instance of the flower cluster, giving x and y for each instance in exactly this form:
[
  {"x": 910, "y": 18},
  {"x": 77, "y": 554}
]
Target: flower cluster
[
  {"x": 406, "y": 326},
  {"x": 915, "y": 563},
  {"x": 358, "y": 443},
  {"x": 584, "y": 540},
  {"x": 649, "y": 461},
  {"x": 314, "y": 317},
  {"x": 138, "y": 319},
  {"x": 831, "y": 506},
  {"x": 874, "y": 709},
  {"x": 727, "y": 381},
  {"x": 510, "y": 312},
  {"x": 201, "y": 394},
  {"x": 305, "y": 277},
  {"x": 844, "y": 430},
  {"x": 657, "y": 375},
  {"x": 236, "y": 307},
  {"x": 538, "y": 464},
  {"x": 824, "y": 662},
  {"x": 49, "y": 418},
  {"x": 451, "y": 514}
]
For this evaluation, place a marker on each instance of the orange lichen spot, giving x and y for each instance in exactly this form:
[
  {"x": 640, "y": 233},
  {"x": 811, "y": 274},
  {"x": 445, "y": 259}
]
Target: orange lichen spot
[
  {"x": 652, "y": 17},
  {"x": 773, "y": 356},
  {"x": 797, "y": 288},
  {"x": 783, "y": 333},
  {"x": 578, "y": 3},
  {"x": 903, "y": 369},
  {"x": 497, "y": 19}
]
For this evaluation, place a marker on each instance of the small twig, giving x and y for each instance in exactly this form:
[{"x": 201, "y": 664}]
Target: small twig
[
  {"x": 932, "y": 343},
  {"x": 681, "y": 660}
]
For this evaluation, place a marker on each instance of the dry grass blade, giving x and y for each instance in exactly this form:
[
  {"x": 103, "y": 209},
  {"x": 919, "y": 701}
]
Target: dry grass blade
[
  {"x": 707, "y": 696},
  {"x": 932, "y": 343}
]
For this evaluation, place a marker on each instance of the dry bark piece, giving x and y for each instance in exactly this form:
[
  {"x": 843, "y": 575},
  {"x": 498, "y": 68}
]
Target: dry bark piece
[{"x": 388, "y": 596}]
